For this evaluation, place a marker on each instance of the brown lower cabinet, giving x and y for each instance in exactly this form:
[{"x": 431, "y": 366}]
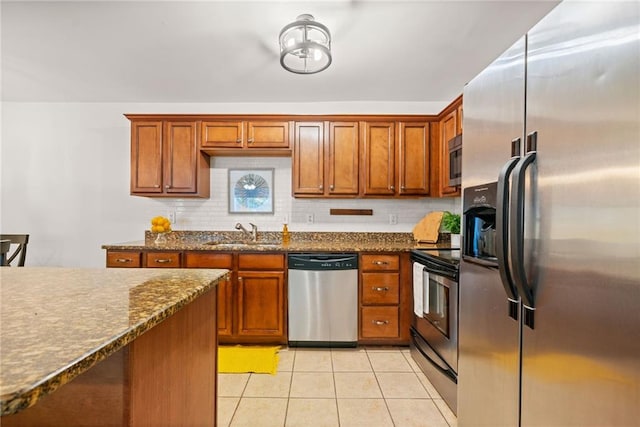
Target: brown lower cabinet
[
  {"x": 252, "y": 304},
  {"x": 225, "y": 290},
  {"x": 385, "y": 298}
]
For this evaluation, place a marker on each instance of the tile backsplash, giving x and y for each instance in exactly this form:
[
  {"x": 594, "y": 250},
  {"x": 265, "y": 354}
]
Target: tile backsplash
[{"x": 213, "y": 213}]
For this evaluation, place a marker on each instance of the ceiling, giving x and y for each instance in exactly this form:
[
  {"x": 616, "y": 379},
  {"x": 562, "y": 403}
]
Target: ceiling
[{"x": 227, "y": 51}]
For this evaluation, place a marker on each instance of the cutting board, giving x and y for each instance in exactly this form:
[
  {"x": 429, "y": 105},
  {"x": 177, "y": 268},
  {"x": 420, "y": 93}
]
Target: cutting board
[{"x": 427, "y": 229}]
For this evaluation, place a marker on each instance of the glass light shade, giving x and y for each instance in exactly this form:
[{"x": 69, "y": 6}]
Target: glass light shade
[{"x": 305, "y": 46}]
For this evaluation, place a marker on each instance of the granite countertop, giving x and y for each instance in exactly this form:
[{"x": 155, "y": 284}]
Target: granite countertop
[
  {"x": 56, "y": 323},
  {"x": 272, "y": 242}
]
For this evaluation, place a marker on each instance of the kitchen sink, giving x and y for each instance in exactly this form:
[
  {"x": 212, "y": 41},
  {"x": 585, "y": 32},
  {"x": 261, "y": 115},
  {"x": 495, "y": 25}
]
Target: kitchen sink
[{"x": 259, "y": 244}]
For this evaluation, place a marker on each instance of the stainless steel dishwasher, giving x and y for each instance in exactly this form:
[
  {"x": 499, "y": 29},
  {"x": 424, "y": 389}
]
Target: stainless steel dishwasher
[{"x": 323, "y": 299}]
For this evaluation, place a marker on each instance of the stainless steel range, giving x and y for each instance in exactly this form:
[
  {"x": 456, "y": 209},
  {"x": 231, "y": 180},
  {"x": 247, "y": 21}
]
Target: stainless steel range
[{"x": 434, "y": 328}]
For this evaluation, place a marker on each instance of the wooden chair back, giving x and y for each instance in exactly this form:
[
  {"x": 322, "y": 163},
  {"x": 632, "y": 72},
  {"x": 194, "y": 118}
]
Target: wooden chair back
[
  {"x": 5, "y": 245},
  {"x": 20, "y": 251}
]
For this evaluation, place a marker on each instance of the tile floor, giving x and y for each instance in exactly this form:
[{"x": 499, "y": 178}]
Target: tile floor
[{"x": 334, "y": 387}]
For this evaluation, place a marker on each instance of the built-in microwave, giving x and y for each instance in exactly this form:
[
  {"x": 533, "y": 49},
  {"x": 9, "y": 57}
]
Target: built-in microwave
[{"x": 455, "y": 161}]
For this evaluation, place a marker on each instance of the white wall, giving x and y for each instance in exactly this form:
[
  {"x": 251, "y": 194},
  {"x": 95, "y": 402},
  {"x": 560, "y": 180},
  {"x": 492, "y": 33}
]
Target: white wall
[{"x": 64, "y": 175}]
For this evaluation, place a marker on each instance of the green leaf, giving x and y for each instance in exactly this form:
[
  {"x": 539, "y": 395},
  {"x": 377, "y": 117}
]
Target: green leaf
[{"x": 451, "y": 223}]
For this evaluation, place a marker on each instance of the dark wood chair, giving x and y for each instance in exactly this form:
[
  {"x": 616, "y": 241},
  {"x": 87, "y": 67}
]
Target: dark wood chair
[
  {"x": 5, "y": 245},
  {"x": 20, "y": 251}
]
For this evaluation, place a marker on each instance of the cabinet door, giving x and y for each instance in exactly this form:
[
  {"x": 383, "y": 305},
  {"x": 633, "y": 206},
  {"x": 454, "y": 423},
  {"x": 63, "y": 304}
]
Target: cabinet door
[
  {"x": 413, "y": 158},
  {"x": 343, "y": 162},
  {"x": 448, "y": 130},
  {"x": 225, "y": 290},
  {"x": 146, "y": 157},
  {"x": 267, "y": 134},
  {"x": 222, "y": 134},
  {"x": 308, "y": 158},
  {"x": 181, "y": 154},
  {"x": 379, "y": 158},
  {"x": 261, "y": 303}
]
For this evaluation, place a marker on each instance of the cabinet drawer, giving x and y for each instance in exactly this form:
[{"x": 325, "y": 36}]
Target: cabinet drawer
[
  {"x": 373, "y": 262},
  {"x": 380, "y": 288},
  {"x": 380, "y": 322},
  {"x": 124, "y": 259},
  {"x": 207, "y": 260},
  {"x": 162, "y": 260},
  {"x": 261, "y": 261}
]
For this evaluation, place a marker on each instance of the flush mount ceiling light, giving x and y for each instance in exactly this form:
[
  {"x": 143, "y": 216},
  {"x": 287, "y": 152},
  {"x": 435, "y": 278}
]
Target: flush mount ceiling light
[{"x": 305, "y": 46}]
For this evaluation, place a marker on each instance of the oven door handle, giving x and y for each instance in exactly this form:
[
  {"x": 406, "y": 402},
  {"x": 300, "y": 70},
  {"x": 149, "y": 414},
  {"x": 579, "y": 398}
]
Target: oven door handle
[
  {"x": 426, "y": 284},
  {"x": 436, "y": 361},
  {"x": 435, "y": 270}
]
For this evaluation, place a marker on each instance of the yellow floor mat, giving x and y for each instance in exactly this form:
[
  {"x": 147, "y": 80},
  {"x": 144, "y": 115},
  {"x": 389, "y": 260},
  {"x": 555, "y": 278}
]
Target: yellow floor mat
[{"x": 243, "y": 359}]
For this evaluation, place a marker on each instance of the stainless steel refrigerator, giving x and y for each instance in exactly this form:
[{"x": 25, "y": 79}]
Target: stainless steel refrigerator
[{"x": 550, "y": 272}]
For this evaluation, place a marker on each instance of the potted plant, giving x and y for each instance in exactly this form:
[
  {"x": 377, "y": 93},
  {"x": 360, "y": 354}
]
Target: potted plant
[{"x": 451, "y": 223}]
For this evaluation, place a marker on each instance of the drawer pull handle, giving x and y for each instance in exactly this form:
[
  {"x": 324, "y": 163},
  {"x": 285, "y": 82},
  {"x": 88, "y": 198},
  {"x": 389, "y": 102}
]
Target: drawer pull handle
[
  {"x": 163, "y": 261},
  {"x": 380, "y": 262},
  {"x": 380, "y": 289},
  {"x": 380, "y": 322},
  {"x": 239, "y": 140},
  {"x": 124, "y": 260},
  {"x": 250, "y": 140}
]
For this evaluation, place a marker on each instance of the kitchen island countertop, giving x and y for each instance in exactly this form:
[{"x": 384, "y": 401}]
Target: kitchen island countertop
[{"x": 56, "y": 323}]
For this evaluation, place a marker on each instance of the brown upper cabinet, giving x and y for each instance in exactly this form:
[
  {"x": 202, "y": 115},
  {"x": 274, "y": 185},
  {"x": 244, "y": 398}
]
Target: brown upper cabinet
[
  {"x": 396, "y": 158},
  {"x": 308, "y": 159},
  {"x": 231, "y": 137},
  {"x": 379, "y": 158},
  {"x": 326, "y": 159},
  {"x": 166, "y": 161},
  {"x": 450, "y": 125},
  {"x": 413, "y": 158},
  {"x": 334, "y": 156},
  {"x": 342, "y": 143},
  {"x": 361, "y": 158}
]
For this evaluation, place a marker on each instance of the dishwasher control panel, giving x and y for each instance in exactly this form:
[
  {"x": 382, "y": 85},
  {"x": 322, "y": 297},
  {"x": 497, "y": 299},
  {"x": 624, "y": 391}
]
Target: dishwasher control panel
[{"x": 334, "y": 261}]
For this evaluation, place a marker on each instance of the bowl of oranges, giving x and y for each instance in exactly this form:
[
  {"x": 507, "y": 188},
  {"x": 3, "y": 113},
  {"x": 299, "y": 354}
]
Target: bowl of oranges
[{"x": 160, "y": 225}]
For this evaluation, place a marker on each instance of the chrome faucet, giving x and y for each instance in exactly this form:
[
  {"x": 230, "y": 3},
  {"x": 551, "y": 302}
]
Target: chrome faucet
[{"x": 253, "y": 233}]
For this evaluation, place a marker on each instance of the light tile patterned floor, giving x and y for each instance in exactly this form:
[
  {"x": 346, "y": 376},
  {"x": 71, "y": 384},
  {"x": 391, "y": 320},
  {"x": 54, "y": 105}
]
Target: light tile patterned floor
[{"x": 368, "y": 386}]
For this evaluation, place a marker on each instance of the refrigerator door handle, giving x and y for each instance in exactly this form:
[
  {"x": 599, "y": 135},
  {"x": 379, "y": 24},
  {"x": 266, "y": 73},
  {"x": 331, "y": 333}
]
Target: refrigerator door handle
[
  {"x": 516, "y": 230},
  {"x": 502, "y": 229}
]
